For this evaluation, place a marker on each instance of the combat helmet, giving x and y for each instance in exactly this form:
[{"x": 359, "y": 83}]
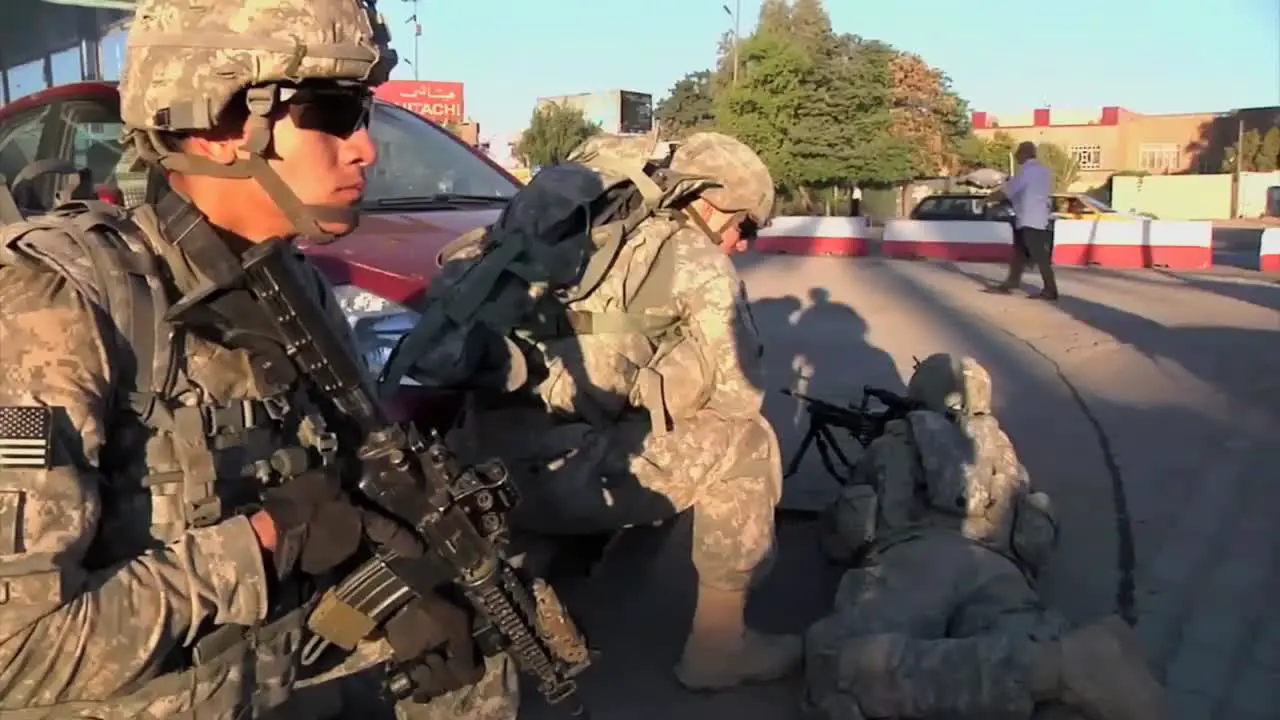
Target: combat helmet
[
  {"x": 745, "y": 184},
  {"x": 949, "y": 384},
  {"x": 638, "y": 150},
  {"x": 187, "y": 60}
]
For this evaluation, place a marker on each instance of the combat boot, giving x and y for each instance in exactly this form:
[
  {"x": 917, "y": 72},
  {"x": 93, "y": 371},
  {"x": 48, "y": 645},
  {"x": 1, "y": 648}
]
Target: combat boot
[
  {"x": 722, "y": 653},
  {"x": 1101, "y": 671}
]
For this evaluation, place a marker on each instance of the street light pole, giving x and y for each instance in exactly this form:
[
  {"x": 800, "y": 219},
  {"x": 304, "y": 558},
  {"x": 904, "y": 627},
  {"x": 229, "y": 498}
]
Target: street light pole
[
  {"x": 417, "y": 40},
  {"x": 1239, "y": 165},
  {"x": 417, "y": 35},
  {"x": 736, "y": 14}
]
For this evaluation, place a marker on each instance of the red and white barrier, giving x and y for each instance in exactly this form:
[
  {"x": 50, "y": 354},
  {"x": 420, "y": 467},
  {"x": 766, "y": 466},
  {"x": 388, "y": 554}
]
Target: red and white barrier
[
  {"x": 1269, "y": 250},
  {"x": 1176, "y": 244},
  {"x": 961, "y": 241},
  {"x": 847, "y": 236}
]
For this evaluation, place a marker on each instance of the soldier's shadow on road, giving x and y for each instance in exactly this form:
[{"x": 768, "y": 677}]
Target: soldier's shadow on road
[{"x": 818, "y": 347}]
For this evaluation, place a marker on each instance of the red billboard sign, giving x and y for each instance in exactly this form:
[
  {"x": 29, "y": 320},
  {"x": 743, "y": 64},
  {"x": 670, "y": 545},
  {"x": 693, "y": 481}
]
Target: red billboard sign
[{"x": 438, "y": 101}]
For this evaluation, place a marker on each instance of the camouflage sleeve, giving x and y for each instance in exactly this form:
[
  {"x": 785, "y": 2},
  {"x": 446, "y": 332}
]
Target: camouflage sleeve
[
  {"x": 107, "y": 628},
  {"x": 714, "y": 303},
  {"x": 894, "y": 675},
  {"x": 887, "y": 647}
]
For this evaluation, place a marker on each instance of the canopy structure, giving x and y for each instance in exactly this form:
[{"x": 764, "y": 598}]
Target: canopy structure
[{"x": 52, "y": 42}]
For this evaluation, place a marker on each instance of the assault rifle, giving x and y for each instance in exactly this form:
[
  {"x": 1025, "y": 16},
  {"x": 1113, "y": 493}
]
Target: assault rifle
[
  {"x": 862, "y": 423},
  {"x": 457, "y": 512}
]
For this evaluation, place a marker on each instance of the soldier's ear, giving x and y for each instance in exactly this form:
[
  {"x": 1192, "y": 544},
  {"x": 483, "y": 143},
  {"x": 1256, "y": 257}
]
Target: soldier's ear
[{"x": 220, "y": 150}]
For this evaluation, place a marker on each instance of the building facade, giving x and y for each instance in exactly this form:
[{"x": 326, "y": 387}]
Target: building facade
[
  {"x": 1114, "y": 139},
  {"x": 619, "y": 112}
]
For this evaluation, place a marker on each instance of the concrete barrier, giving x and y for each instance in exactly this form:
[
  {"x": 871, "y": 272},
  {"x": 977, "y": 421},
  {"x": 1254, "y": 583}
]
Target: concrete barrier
[
  {"x": 790, "y": 235},
  {"x": 1269, "y": 250},
  {"x": 1177, "y": 244},
  {"x": 958, "y": 240}
]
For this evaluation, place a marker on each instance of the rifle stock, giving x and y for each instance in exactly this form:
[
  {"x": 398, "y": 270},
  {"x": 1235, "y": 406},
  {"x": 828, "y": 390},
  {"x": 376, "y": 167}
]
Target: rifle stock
[{"x": 457, "y": 512}]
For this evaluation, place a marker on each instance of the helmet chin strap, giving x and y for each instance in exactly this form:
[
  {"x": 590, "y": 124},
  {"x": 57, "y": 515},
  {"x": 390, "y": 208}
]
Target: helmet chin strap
[
  {"x": 701, "y": 223},
  {"x": 306, "y": 219},
  {"x": 715, "y": 236}
]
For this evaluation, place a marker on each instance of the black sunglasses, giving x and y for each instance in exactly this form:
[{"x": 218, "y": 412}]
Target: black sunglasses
[{"x": 339, "y": 112}]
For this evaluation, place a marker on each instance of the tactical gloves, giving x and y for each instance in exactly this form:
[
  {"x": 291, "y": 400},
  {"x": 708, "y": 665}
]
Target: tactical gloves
[
  {"x": 1100, "y": 670},
  {"x": 316, "y": 525},
  {"x": 432, "y": 640}
]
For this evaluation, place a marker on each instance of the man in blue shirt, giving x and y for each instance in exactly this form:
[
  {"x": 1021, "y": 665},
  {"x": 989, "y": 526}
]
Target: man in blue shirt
[{"x": 1028, "y": 191}]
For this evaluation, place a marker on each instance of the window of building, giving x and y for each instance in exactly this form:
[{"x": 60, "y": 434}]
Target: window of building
[
  {"x": 1159, "y": 157},
  {"x": 26, "y": 79},
  {"x": 1087, "y": 157},
  {"x": 111, "y": 54},
  {"x": 66, "y": 66}
]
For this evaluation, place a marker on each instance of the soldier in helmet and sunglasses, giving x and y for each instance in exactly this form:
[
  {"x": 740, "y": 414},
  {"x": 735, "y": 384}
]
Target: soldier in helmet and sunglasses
[{"x": 154, "y": 562}]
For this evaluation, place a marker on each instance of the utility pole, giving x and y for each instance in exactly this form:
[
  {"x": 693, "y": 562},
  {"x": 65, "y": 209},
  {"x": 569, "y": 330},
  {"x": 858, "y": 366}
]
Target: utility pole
[
  {"x": 417, "y": 35},
  {"x": 1238, "y": 165},
  {"x": 736, "y": 14}
]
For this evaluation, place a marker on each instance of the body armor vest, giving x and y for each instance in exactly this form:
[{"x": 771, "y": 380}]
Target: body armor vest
[{"x": 194, "y": 434}]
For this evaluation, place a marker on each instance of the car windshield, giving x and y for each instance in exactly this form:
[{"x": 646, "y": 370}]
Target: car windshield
[
  {"x": 418, "y": 161},
  {"x": 951, "y": 205}
]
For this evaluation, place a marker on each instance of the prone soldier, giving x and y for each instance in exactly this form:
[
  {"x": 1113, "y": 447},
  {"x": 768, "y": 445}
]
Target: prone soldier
[{"x": 941, "y": 617}]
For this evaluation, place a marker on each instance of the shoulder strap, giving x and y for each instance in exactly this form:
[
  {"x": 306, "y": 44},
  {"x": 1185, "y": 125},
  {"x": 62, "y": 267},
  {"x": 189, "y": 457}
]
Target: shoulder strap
[{"x": 106, "y": 257}]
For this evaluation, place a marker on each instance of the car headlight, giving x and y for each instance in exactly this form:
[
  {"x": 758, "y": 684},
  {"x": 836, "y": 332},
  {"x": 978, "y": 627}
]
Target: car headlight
[{"x": 377, "y": 324}]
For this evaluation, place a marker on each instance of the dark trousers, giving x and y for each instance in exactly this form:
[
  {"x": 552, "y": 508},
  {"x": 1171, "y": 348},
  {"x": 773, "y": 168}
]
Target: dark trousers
[{"x": 1036, "y": 245}]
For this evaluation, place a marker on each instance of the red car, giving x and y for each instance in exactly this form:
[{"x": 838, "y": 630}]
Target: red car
[{"x": 427, "y": 188}]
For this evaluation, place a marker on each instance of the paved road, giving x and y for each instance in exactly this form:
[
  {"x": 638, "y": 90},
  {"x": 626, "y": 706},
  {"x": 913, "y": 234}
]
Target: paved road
[{"x": 1143, "y": 402}]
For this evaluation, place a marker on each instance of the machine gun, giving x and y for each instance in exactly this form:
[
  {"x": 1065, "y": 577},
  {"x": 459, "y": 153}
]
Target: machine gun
[
  {"x": 458, "y": 513},
  {"x": 862, "y": 423}
]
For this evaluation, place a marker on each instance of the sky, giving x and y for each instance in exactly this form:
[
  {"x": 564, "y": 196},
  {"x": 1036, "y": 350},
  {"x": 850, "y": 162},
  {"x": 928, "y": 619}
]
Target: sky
[{"x": 1153, "y": 56}]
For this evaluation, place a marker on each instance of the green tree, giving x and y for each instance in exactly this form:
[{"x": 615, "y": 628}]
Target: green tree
[
  {"x": 1063, "y": 167},
  {"x": 825, "y": 110},
  {"x": 554, "y": 131},
  {"x": 977, "y": 152},
  {"x": 775, "y": 16},
  {"x": 1252, "y": 144},
  {"x": 865, "y": 148},
  {"x": 816, "y": 105},
  {"x": 929, "y": 113},
  {"x": 763, "y": 108},
  {"x": 688, "y": 107},
  {"x": 1268, "y": 157}
]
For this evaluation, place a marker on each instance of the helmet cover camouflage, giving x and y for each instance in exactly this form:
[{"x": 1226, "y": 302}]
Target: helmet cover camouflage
[
  {"x": 745, "y": 182},
  {"x": 949, "y": 384},
  {"x": 186, "y": 59},
  {"x": 632, "y": 149}
]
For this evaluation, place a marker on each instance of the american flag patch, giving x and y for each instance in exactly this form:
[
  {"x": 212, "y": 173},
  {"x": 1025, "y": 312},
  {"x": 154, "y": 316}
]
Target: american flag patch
[{"x": 24, "y": 437}]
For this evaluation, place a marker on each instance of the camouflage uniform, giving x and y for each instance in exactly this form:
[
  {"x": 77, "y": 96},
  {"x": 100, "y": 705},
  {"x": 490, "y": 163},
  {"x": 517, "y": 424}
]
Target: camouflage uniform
[
  {"x": 942, "y": 619},
  {"x": 132, "y": 585},
  {"x": 628, "y": 429}
]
